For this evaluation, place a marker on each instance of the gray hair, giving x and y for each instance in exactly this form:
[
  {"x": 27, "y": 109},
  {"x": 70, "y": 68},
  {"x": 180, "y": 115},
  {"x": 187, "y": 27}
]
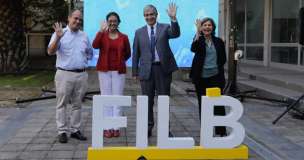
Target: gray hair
[{"x": 150, "y": 8}]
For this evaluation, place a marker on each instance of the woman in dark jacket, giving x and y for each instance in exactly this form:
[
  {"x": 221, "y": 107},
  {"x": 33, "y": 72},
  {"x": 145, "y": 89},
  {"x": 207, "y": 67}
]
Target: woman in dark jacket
[{"x": 207, "y": 69}]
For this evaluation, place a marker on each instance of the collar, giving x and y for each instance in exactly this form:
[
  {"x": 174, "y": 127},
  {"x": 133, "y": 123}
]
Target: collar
[
  {"x": 207, "y": 41},
  {"x": 69, "y": 29},
  {"x": 212, "y": 37},
  {"x": 153, "y": 25}
]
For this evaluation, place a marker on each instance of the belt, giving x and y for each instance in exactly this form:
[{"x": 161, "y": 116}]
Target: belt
[
  {"x": 74, "y": 70},
  {"x": 156, "y": 63}
]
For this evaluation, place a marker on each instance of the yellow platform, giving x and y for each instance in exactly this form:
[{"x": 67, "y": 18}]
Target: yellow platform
[{"x": 125, "y": 153}]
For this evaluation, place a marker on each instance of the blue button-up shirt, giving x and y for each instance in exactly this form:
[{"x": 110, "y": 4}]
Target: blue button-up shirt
[{"x": 74, "y": 50}]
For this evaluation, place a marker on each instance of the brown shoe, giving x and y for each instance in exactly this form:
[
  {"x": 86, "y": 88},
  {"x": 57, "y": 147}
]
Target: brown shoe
[
  {"x": 107, "y": 133},
  {"x": 115, "y": 133}
]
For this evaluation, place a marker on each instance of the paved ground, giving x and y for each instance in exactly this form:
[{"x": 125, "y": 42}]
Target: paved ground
[{"x": 30, "y": 132}]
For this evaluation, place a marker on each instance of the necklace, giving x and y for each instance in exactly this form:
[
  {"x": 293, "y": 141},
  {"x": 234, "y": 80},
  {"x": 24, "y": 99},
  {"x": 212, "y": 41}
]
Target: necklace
[{"x": 208, "y": 43}]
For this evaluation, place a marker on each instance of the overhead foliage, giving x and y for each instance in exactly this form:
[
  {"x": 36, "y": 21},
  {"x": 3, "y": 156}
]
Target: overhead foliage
[{"x": 45, "y": 12}]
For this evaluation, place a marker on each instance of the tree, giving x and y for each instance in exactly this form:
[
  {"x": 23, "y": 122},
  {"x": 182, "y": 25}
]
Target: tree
[
  {"x": 46, "y": 12},
  {"x": 13, "y": 58}
]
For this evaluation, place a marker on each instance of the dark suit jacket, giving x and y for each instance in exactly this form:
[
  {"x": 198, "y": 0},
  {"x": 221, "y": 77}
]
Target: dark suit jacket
[
  {"x": 101, "y": 42},
  {"x": 142, "y": 49},
  {"x": 199, "y": 48}
]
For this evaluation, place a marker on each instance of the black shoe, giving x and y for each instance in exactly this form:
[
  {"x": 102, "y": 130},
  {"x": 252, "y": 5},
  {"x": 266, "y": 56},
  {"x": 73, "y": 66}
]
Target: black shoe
[
  {"x": 63, "y": 138},
  {"x": 78, "y": 136},
  {"x": 149, "y": 134},
  {"x": 170, "y": 134}
]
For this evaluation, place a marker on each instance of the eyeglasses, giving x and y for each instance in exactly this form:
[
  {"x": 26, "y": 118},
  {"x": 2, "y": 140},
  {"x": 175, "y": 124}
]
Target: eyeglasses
[
  {"x": 151, "y": 15},
  {"x": 115, "y": 21},
  {"x": 207, "y": 25}
]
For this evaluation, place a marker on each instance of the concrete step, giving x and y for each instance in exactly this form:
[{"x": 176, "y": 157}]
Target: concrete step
[
  {"x": 285, "y": 79},
  {"x": 266, "y": 90}
]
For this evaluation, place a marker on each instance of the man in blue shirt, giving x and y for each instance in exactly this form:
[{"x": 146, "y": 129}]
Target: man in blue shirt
[{"x": 73, "y": 49}]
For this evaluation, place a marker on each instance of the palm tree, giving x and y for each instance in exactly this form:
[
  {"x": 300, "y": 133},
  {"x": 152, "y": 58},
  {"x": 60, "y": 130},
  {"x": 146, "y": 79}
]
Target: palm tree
[{"x": 13, "y": 59}]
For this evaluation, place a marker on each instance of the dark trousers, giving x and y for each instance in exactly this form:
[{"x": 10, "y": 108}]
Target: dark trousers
[
  {"x": 158, "y": 81},
  {"x": 200, "y": 88}
]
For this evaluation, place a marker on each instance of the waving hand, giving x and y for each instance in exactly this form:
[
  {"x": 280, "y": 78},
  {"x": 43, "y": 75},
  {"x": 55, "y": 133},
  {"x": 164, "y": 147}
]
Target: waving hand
[
  {"x": 58, "y": 29},
  {"x": 172, "y": 11},
  {"x": 103, "y": 26}
]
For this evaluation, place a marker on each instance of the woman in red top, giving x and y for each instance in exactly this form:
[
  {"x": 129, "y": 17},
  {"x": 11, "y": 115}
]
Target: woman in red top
[{"x": 114, "y": 51}]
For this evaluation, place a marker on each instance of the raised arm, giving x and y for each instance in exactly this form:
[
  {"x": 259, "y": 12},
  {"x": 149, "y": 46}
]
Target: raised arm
[
  {"x": 195, "y": 44},
  {"x": 96, "y": 42},
  {"x": 199, "y": 29},
  {"x": 59, "y": 33},
  {"x": 174, "y": 30}
]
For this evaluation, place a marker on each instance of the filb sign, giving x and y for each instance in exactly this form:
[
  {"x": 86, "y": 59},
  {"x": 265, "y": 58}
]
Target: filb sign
[{"x": 208, "y": 121}]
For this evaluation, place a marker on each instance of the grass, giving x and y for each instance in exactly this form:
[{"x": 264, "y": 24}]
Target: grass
[
  {"x": 31, "y": 79},
  {"x": 8, "y": 97}
]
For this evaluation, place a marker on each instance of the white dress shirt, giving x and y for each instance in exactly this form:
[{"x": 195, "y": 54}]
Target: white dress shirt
[{"x": 149, "y": 33}]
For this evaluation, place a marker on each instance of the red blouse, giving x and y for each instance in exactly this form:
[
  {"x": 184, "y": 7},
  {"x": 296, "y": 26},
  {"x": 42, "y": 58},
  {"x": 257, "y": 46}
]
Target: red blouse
[
  {"x": 113, "y": 55},
  {"x": 102, "y": 42}
]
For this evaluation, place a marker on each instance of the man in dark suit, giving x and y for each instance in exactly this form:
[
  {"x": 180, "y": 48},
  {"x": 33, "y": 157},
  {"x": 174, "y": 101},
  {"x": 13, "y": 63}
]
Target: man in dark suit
[{"x": 151, "y": 48}]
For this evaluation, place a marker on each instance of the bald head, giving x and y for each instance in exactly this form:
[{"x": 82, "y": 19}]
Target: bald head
[{"x": 73, "y": 10}]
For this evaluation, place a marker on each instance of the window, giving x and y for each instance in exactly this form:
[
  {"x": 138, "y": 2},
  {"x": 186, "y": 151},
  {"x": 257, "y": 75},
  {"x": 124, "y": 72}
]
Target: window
[
  {"x": 285, "y": 21},
  {"x": 254, "y": 53},
  {"x": 288, "y": 55},
  {"x": 255, "y": 21},
  {"x": 249, "y": 19}
]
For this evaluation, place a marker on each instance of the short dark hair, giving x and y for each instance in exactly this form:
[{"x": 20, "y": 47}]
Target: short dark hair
[
  {"x": 113, "y": 14},
  {"x": 73, "y": 10},
  {"x": 212, "y": 23}
]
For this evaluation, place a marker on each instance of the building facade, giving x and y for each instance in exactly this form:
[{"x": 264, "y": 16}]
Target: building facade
[{"x": 267, "y": 31}]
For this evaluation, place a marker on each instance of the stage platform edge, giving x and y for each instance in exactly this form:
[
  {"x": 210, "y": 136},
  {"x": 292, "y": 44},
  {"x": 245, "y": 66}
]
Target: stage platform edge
[{"x": 131, "y": 153}]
